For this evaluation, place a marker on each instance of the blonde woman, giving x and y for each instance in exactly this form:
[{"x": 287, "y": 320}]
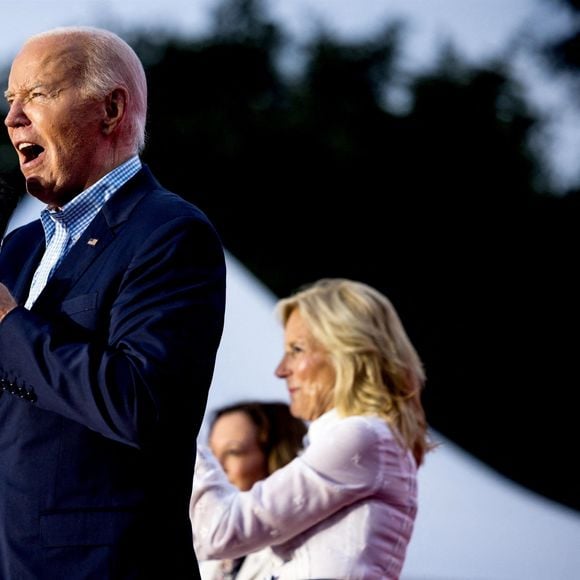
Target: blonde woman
[{"x": 345, "y": 508}]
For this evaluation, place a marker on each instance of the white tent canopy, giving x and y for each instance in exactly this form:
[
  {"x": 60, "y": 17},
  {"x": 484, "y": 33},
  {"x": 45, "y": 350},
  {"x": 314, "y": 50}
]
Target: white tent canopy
[{"x": 472, "y": 523}]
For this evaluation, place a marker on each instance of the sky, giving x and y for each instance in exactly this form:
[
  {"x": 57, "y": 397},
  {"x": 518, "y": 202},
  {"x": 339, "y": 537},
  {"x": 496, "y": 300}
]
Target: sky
[{"x": 480, "y": 29}]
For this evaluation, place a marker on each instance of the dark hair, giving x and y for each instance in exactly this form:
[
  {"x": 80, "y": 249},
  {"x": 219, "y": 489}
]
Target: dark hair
[{"x": 279, "y": 433}]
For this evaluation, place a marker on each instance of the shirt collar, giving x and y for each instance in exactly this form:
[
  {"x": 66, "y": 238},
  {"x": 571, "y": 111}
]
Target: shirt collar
[{"x": 79, "y": 211}]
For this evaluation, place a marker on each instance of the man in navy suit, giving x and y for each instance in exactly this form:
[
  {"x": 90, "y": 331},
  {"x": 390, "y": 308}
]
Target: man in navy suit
[{"x": 111, "y": 313}]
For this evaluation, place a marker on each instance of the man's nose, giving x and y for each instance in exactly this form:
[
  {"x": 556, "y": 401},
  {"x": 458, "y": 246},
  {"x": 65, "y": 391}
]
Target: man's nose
[{"x": 16, "y": 116}]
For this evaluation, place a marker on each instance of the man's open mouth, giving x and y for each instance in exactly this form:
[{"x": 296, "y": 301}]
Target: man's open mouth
[{"x": 30, "y": 151}]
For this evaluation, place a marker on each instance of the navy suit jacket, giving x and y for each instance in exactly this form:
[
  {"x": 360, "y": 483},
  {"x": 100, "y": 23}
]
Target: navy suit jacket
[{"x": 103, "y": 387}]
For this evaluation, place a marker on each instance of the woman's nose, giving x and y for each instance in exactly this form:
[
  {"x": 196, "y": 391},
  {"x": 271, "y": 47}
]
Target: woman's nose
[{"x": 282, "y": 369}]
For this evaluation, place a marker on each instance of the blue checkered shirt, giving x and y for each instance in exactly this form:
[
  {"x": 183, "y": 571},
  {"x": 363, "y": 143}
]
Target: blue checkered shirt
[{"x": 64, "y": 226}]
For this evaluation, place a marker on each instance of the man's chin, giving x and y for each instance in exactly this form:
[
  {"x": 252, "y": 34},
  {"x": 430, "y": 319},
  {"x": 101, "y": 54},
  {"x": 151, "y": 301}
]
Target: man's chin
[{"x": 35, "y": 188}]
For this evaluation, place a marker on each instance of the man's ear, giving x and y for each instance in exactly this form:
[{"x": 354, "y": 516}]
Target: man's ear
[{"x": 115, "y": 105}]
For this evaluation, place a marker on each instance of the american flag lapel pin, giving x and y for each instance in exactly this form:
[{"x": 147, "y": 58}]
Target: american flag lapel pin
[{"x": 92, "y": 241}]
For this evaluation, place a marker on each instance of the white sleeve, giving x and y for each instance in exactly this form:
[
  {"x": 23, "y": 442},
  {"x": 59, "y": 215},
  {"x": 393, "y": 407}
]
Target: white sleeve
[{"x": 336, "y": 470}]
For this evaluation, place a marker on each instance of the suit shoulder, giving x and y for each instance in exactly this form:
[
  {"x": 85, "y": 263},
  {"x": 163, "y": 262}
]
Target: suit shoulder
[
  {"x": 145, "y": 197},
  {"x": 161, "y": 205},
  {"x": 162, "y": 214}
]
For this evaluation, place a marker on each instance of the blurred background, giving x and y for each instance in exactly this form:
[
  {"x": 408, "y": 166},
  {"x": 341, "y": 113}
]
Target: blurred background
[{"x": 429, "y": 148}]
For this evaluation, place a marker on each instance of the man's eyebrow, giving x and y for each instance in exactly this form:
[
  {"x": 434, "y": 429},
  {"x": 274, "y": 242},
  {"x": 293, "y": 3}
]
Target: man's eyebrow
[{"x": 8, "y": 93}]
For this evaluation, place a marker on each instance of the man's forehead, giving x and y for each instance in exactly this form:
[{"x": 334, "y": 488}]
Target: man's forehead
[{"x": 34, "y": 67}]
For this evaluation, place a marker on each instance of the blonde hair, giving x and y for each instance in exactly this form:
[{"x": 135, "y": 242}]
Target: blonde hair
[
  {"x": 378, "y": 371},
  {"x": 104, "y": 62}
]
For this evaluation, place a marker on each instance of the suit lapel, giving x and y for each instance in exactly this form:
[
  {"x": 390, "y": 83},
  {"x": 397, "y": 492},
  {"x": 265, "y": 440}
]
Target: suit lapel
[
  {"x": 78, "y": 259},
  {"x": 23, "y": 281}
]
